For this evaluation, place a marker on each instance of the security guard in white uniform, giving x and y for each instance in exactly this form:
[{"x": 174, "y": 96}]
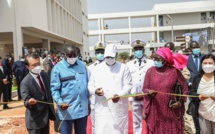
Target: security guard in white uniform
[
  {"x": 138, "y": 68},
  {"x": 99, "y": 52}
]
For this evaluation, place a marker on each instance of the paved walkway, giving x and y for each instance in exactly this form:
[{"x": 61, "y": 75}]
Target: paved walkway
[
  {"x": 12, "y": 121},
  {"x": 17, "y": 109}
]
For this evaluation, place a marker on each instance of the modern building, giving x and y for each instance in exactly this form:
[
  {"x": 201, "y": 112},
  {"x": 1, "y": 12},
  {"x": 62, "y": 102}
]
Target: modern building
[
  {"x": 43, "y": 24},
  {"x": 165, "y": 22}
]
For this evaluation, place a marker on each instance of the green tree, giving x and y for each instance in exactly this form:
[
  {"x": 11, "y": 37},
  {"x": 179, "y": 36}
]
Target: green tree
[{"x": 124, "y": 56}]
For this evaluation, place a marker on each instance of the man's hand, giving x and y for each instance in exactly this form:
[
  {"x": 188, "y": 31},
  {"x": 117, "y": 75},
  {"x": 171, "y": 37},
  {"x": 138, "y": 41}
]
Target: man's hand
[
  {"x": 5, "y": 81},
  {"x": 115, "y": 98},
  {"x": 32, "y": 101},
  {"x": 176, "y": 105},
  {"x": 152, "y": 92},
  {"x": 99, "y": 92},
  {"x": 64, "y": 106},
  {"x": 213, "y": 98},
  {"x": 202, "y": 97},
  {"x": 89, "y": 109}
]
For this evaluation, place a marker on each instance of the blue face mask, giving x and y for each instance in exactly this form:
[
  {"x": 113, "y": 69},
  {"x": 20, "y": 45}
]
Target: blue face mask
[
  {"x": 100, "y": 57},
  {"x": 158, "y": 64},
  {"x": 196, "y": 51},
  {"x": 138, "y": 54}
]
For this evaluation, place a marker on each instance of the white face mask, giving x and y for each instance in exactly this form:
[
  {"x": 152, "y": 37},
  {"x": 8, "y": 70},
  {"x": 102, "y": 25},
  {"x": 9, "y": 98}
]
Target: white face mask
[
  {"x": 110, "y": 61},
  {"x": 71, "y": 61},
  {"x": 36, "y": 70},
  {"x": 208, "y": 68}
]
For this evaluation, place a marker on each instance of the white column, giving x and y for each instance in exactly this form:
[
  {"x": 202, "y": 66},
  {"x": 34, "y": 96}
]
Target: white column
[
  {"x": 157, "y": 20},
  {"x": 103, "y": 37},
  {"x": 158, "y": 35},
  {"x": 99, "y": 24},
  {"x": 17, "y": 37},
  {"x": 99, "y": 28},
  {"x": 102, "y": 24},
  {"x": 129, "y": 22},
  {"x": 46, "y": 44},
  {"x": 129, "y": 38},
  {"x": 130, "y": 51},
  {"x": 158, "y": 32},
  {"x": 17, "y": 43},
  {"x": 102, "y": 28},
  {"x": 129, "y": 26}
]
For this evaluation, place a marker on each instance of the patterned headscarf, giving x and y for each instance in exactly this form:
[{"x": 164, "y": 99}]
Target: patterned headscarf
[{"x": 179, "y": 61}]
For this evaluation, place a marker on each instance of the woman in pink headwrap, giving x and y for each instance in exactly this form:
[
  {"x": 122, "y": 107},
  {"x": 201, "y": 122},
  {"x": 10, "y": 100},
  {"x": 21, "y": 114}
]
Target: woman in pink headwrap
[{"x": 164, "y": 114}]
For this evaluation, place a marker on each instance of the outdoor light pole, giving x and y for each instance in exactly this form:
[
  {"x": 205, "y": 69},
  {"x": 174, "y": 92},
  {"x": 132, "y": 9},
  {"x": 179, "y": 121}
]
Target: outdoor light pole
[{"x": 172, "y": 26}]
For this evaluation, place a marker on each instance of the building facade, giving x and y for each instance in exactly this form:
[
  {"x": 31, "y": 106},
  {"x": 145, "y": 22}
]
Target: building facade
[
  {"x": 165, "y": 22},
  {"x": 42, "y": 24}
]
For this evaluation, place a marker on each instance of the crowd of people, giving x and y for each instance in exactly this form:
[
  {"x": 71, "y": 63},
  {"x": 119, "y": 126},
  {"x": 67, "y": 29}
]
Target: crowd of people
[{"x": 80, "y": 90}]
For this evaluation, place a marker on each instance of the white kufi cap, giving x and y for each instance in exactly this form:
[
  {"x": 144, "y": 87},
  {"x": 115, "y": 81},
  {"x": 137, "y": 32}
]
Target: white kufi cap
[{"x": 110, "y": 50}]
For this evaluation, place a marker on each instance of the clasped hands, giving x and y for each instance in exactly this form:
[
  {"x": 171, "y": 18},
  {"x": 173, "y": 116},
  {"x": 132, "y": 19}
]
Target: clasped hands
[
  {"x": 152, "y": 92},
  {"x": 100, "y": 92}
]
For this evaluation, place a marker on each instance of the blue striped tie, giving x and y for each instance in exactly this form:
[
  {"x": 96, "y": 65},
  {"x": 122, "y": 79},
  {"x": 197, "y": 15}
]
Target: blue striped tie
[{"x": 196, "y": 62}]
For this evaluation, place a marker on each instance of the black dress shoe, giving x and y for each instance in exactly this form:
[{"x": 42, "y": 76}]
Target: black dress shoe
[{"x": 6, "y": 107}]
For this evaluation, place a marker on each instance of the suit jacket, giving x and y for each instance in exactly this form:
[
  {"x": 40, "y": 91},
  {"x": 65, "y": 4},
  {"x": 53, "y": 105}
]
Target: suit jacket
[
  {"x": 192, "y": 67},
  {"x": 2, "y": 76},
  {"x": 38, "y": 115},
  {"x": 7, "y": 68},
  {"x": 19, "y": 70},
  {"x": 2, "y": 86}
]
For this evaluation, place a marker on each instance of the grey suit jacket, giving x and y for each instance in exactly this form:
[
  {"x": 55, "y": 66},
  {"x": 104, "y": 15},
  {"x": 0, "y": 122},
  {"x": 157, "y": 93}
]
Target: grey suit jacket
[{"x": 38, "y": 115}]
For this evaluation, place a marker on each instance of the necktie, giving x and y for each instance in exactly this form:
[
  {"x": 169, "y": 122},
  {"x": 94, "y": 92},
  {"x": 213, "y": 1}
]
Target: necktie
[
  {"x": 41, "y": 84},
  {"x": 197, "y": 63},
  {"x": 140, "y": 62}
]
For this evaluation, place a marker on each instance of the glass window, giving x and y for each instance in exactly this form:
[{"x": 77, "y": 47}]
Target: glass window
[{"x": 203, "y": 17}]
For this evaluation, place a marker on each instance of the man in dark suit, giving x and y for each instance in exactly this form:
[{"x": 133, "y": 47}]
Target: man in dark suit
[
  {"x": 8, "y": 72},
  {"x": 194, "y": 61},
  {"x": 3, "y": 85},
  {"x": 194, "y": 66},
  {"x": 35, "y": 87},
  {"x": 20, "y": 71}
]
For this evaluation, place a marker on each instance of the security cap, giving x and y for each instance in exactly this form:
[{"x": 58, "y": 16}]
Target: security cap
[
  {"x": 99, "y": 45},
  {"x": 138, "y": 43}
]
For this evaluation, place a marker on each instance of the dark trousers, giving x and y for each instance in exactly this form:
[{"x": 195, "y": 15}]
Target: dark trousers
[
  {"x": 9, "y": 89},
  {"x": 195, "y": 119},
  {"x": 3, "y": 91},
  {"x": 196, "y": 123},
  {"x": 18, "y": 91},
  {"x": 44, "y": 130},
  {"x": 80, "y": 126}
]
